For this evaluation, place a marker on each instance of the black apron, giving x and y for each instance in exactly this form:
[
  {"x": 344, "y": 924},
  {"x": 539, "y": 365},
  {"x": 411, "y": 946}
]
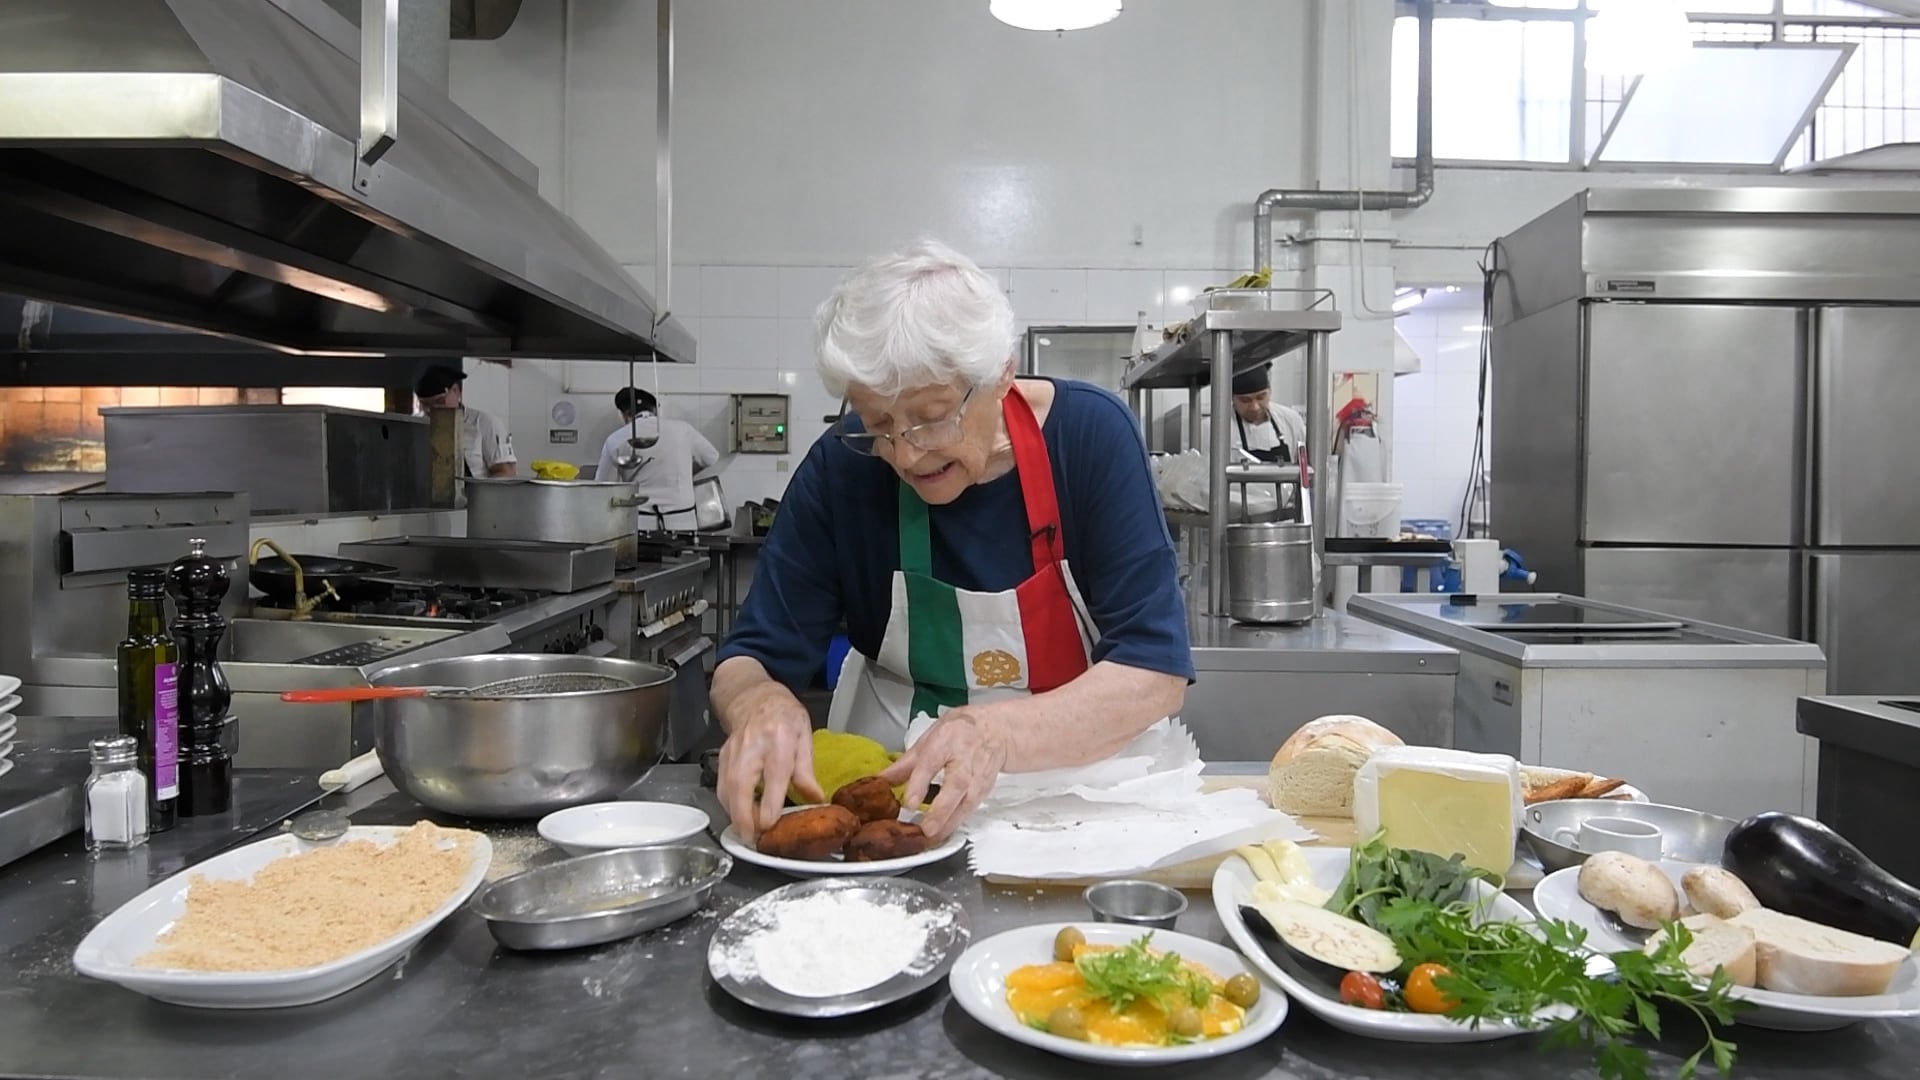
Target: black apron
[{"x": 1276, "y": 456}]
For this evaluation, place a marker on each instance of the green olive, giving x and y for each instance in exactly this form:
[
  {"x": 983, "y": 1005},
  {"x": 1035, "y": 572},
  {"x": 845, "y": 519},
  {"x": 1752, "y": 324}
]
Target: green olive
[
  {"x": 1066, "y": 941},
  {"x": 1184, "y": 1021},
  {"x": 1243, "y": 990},
  {"x": 1068, "y": 1023}
]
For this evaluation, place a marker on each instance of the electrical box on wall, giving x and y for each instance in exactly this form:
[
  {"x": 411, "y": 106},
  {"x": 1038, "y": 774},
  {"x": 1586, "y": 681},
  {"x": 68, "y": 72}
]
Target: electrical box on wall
[{"x": 760, "y": 423}]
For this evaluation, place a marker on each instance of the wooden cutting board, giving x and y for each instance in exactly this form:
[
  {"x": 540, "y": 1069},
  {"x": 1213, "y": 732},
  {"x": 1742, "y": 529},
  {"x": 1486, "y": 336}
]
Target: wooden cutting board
[{"x": 1197, "y": 874}]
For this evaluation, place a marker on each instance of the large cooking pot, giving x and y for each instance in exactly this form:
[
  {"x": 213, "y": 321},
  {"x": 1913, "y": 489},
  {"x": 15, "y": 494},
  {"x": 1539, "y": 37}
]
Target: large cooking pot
[
  {"x": 1270, "y": 573},
  {"x": 352, "y": 580},
  {"x": 555, "y": 511},
  {"x": 518, "y": 757}
]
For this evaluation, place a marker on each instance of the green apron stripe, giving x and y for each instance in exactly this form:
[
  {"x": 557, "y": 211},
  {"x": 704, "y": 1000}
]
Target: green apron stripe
[
  {"x": 916, "y": 535},
  {"x": 935, "y": 648}
]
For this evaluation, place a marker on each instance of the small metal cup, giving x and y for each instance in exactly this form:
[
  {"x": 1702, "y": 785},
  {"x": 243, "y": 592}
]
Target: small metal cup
[{"x": 1142, "y": 903}]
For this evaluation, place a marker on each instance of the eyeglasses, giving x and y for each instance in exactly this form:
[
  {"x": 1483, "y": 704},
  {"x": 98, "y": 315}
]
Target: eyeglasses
[{"x": 932, "y": 435}]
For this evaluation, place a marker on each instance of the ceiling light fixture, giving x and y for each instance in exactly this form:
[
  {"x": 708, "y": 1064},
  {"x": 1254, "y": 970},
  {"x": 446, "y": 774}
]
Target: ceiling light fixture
[
  {"x": 1408, "y": 299},
  {"x": 1636, "y": 37},
  {"x": 1054, "y": 16}
]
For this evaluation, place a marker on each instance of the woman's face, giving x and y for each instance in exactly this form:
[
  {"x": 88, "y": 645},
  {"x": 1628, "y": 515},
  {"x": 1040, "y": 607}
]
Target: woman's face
[{"x": 937, "y": 476}]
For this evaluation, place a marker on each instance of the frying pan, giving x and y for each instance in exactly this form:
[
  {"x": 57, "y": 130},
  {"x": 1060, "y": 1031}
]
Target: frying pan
[{"x": 352, "y": 579}]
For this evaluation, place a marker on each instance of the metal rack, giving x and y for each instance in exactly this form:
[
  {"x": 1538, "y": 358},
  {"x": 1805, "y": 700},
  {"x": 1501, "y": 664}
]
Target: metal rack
[{"x": 1242, "y": 331}]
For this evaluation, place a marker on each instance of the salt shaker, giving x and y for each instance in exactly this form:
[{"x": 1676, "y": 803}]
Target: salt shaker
[{"x": 116, "y": 796}]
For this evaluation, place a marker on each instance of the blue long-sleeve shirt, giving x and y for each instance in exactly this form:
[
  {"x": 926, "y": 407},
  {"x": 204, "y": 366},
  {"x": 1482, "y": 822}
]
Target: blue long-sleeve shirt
[{"x": 835, "y": 545}]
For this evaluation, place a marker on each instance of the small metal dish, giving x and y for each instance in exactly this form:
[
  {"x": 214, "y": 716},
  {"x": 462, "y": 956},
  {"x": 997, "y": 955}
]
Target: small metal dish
[
  {"x": 602, "y": 897},
  {"x": 1689, "y": 836},
  {"x": 1141, "y": 903}
]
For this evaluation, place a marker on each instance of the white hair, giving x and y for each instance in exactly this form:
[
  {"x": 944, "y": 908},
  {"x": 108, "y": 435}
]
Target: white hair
[{"x": 925, "y": 316}]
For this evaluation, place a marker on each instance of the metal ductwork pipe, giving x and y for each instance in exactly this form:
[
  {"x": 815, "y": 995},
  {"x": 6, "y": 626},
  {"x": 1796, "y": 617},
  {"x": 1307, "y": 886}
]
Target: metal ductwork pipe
[
  {"x": 424, "y": 36},
  {"x": 1316, "y": 199}
]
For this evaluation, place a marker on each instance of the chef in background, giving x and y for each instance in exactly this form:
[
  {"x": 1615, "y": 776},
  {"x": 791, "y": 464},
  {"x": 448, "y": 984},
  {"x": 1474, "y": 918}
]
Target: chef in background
[
  {"x": 1270, "y": 433},
  {"x": 662, "y": 472},
  {"x": 486, "y": 447}
]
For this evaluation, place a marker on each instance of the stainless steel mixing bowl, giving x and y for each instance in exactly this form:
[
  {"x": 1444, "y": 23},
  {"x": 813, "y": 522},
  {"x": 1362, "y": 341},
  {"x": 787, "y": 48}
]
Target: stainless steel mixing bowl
[
  {"x": 1685, "y": 835},
  {"x": 518, "y": 757}
]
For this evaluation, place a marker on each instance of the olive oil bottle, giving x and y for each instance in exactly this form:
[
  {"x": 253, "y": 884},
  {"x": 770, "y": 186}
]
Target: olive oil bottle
[{"x": 149, "y": 693}]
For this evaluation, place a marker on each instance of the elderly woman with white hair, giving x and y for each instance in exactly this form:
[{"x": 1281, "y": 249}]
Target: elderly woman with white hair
[{"x": 993, "y": 545}]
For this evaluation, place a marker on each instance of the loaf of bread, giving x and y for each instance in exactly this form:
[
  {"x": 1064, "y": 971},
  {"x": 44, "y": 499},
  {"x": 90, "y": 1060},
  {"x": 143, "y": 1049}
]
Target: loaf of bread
[
  {"x": 1801, "y": 957},
  {"x": 1716, "y": 945},
  {"x": 1312, "y": 774}
]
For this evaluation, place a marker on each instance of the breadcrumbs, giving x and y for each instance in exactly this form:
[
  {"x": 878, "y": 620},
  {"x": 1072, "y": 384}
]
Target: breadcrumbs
[{"x": 315, "y": 907}]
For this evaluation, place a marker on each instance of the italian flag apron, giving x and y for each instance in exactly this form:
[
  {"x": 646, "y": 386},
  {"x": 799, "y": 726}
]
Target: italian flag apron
[{"x": 945, "y": 647}]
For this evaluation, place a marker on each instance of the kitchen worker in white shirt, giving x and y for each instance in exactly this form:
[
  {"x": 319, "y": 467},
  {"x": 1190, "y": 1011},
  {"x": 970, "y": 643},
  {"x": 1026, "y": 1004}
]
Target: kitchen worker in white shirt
[
  {"x": 486, "y": 447},
  {"x": 1270, "y": 433},
  {"x": 662, "y": 472}
]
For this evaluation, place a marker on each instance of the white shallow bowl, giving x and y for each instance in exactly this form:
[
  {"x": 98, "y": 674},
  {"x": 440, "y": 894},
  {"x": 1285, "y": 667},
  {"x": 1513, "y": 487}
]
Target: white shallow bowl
[
  {"x": 1233, "y": 886},
  {"x": 8, "y": 684},
  {"x": 1558, "y": 897},
  {"x": 581, "y": 830},
  {"x": 8, "y": 703},
  {"x": 111, "y": 950},
  {"x": 979, "y": 983}
]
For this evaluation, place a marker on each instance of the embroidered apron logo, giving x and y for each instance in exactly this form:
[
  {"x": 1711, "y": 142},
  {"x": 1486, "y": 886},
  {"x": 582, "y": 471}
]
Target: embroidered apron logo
[{"x": 996, "y": 667}]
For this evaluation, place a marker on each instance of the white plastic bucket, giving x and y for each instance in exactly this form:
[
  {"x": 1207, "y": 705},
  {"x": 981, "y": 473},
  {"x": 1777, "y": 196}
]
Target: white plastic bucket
[{"x": 1371, "y": 510}]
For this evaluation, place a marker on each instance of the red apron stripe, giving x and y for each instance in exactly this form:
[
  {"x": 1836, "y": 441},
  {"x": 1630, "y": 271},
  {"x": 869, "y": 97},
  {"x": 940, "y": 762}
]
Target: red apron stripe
[
  {"x": 1036, "y": 480},
  {"x": 1056, "y": 655}
]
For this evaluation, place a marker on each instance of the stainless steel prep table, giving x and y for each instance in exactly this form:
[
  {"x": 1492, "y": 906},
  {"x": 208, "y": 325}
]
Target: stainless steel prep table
[
  {"x": 1257, "y": 685},
  {"x": 458, "y": 1006}
]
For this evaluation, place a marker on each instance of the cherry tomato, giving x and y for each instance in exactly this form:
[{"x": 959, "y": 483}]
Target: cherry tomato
[
  {"x": 1422, "y": 995},
  {"x": 1359, "y": 988}
]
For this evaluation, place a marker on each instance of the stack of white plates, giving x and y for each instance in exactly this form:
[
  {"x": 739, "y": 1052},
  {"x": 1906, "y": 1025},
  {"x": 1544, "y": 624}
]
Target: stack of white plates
[{"x": 9, "y": 701}]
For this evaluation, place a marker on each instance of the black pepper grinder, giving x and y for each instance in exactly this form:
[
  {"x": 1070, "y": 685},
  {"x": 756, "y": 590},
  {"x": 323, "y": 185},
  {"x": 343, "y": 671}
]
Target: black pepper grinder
[{"x": 208, "y": 734}]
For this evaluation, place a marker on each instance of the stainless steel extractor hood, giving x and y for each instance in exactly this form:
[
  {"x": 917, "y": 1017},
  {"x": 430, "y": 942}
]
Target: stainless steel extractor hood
[{"x": 195, "y": 163}]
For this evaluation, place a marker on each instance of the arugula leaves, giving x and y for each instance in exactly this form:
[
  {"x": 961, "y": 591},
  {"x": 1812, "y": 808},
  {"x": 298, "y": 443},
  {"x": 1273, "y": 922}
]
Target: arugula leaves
[
  {"x": 1516, "y": 972},
  {"x": 1132, "y": 973}
]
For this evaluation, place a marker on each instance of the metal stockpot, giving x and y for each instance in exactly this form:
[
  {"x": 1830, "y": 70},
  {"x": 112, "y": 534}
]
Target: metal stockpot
[
  {"x": 518, "y": 757},
  {"x": 555, "y": 511},
  {"x": 1270, "y": 572}
]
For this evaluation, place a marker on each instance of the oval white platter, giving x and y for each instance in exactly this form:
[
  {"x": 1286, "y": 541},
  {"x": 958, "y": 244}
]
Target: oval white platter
[
  {"x": 1233, "y": 886},
  {"x": 737, "y": 846},
  {"x": 111, "y": 950},
  {"x": 1558, "y": 897},
  {"x": 979, "y": 983}
]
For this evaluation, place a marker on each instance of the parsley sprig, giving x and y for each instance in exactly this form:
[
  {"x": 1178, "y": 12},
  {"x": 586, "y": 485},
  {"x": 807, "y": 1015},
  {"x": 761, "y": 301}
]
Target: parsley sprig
[
  {"x": 1134, "y": 972},
  {"x": 1532, "y": 975}
]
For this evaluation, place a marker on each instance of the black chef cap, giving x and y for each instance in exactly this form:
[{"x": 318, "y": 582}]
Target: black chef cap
[
  {"x": 1252, "y": 382},
  {"x": 437, "y": 380}
]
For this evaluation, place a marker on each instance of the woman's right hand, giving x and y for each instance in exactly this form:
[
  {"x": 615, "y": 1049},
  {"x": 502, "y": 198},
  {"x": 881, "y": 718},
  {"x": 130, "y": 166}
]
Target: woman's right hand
[{"x": 770, "y": 746}]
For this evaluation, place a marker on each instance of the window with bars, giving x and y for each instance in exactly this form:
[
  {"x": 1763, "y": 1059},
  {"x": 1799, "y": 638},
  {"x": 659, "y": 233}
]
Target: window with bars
[{"x": 1506, "y": 76}]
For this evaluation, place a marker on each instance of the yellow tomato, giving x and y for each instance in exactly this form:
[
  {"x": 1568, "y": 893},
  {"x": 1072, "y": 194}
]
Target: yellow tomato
[{"x": 1422, "y": 995}]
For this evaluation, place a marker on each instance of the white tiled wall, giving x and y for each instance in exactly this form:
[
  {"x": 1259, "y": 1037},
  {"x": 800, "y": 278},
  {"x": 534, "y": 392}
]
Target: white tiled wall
[
  {"x": 754, "y": 329},
  {"x": 1434, "y": 410}
]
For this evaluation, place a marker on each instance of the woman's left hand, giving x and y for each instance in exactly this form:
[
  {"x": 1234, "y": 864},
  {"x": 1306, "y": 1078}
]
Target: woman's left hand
[{"x": 970, "y": 749}]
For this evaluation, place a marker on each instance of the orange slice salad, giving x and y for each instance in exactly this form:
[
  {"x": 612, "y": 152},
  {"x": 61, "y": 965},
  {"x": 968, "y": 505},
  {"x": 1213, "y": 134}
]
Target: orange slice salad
[{"x": 1123, "y": 996}]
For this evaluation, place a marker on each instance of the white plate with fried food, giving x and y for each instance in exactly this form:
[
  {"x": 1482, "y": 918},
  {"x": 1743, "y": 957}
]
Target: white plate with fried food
[
  {"x": 1541, "y": 784},
  {"x": 283, "y": 921},
  {"x": 835, "y": 863}
]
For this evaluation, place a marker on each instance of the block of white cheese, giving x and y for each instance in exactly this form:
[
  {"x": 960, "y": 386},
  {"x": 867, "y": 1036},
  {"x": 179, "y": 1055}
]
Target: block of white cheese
[{"x": 1448, "y": 802}]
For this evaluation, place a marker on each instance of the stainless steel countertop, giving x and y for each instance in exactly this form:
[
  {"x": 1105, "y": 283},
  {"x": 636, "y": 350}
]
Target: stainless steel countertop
[
  {"x": 1334, "y": 642},
  {"x": 460, "y": 1006},
  {"x": 1713, "y": 646}
]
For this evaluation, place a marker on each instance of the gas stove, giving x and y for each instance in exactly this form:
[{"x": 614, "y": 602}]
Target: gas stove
[{"x": 431, "y": 601}]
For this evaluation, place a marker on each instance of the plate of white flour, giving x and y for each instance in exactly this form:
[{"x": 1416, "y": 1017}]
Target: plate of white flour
[{"x": 838, "y": 946}]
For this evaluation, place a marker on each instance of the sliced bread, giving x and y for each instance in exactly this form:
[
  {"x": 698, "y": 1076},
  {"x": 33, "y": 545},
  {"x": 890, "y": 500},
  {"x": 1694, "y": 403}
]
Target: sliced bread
[
  {"x": 1802, "y": 957},
  {"x": 1716, "y": 944},
  {"x": 1312, "y": 774}
]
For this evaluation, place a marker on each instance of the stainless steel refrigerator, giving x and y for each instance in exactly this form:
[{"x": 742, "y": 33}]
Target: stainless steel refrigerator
[{"x": 1707, "y": 402}]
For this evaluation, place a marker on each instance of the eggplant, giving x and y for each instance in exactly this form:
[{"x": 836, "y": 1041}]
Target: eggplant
[
  {"x": 1321, "y": 946},
  {"x": 1800, "y": 867}
]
